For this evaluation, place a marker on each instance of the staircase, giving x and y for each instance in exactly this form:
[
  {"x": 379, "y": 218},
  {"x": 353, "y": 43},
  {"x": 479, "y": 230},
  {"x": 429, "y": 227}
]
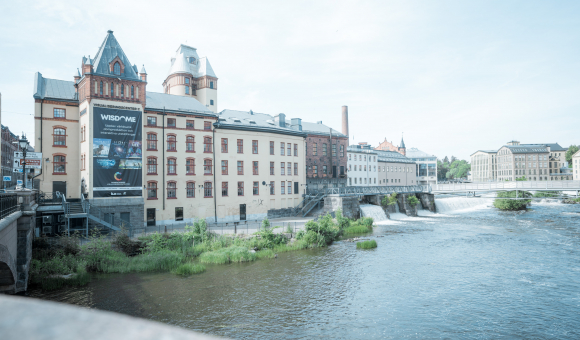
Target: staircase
[
  {"x": 310, "y": 203},
  {"x": 83, "y": 209}
]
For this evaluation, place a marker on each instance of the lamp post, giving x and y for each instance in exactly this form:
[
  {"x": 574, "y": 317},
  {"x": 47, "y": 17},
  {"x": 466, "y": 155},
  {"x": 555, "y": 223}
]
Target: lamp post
[{"x": 23, "y": 142}]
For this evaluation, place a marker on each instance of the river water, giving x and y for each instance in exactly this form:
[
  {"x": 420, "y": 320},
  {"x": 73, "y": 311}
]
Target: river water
[{"x": 469, "y": 273}]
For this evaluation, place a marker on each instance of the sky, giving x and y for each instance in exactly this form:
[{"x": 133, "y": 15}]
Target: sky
[{"x": 453, "y": 76}]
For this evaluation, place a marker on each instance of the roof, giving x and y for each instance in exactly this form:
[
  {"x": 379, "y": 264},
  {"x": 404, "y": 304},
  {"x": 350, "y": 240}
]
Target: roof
[
  {"x": 526, "y": 148},
  {"x": 402, "y": 143},
  {"x": 554, "y": 146},
  {"x": 109, "y": 50},
  {"x": 416, "y": 153},
  {"x": 53, "y": 88},
  {"x": 250, "y": 120},
  {"x": 361, "y": 149},
  {"x": 169, "y": 102},
  {"x": 392, "y": 157},
  {"x": 180, "y": 63},
  {"x": 320, "y": 129},
  {"x": 205, "y": 68},
  {"x": 577, "y": 154},
  {"x": 486, "y": 151}
]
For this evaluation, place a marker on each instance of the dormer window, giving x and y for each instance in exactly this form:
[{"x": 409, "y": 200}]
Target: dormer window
[
  {"x": 191, "y": 60},
  {"x": 117, "y": 69}
]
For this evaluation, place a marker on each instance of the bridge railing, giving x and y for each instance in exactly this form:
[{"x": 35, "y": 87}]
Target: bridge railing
[
  {"x": 8, "y": 204},
  {"x": 523, "y": 185},
  {"x": 370, "y": 190}
]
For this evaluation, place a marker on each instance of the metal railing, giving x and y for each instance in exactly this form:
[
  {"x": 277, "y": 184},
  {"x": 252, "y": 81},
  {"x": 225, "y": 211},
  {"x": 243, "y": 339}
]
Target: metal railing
[
  {"x": 45, "y": 198},
  {"x": 513, "y": 185},
  {"x": 8, "y": 204},
  {"x": 370, "y": 190}
]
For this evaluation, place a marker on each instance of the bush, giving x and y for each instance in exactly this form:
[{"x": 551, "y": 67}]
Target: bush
[
  {"x": 227, "y": 255},
  {"x": 189, "y": 269},
  {"x": 128, "y": 246},
  {"x": 389, "y": 200},
  {"x": 357, "y": 229},
  {"x": 342, "y": 221},
  {"x": 265, "y": 224},
  {"x": 540, "y": 194},
  {"x": 412, "y": 200},
  {"x": 511, "y": 204},
  {"x": 366, "y": 244}
]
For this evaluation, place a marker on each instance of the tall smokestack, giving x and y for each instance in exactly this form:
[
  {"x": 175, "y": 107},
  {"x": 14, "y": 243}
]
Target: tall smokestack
[{"x": 345, "y": 120}]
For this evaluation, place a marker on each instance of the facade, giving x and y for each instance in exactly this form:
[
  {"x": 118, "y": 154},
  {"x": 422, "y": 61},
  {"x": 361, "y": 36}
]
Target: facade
[
  {"x": 362, "y": 165},
  {"x": 576, "y": 166},
  {"x": 389, "y": 146},
  {"x": 484, "y": 166},
  {"x": 426, "y": 166},
  {"x": 9, "y": 146},
  {"x": 535, "y": 162},
  {"x": 394, "y": 169}
]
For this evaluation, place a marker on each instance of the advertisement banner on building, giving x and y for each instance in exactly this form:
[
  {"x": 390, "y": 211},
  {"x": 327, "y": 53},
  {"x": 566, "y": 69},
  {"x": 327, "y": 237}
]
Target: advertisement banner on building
[{"x": 117, "y": 152}]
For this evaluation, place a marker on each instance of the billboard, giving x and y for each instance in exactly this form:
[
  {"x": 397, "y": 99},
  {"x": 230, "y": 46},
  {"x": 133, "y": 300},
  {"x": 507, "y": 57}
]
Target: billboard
[{"x": 117, "y": 152}]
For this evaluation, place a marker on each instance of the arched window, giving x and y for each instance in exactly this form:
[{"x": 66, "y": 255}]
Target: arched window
[
  {"x": 190, "y": 166},
  {"x": 151, "y": 190},
  {"x": 117, "y": 68},
  {"x": 207, "y": 167},
  {"x": 122, "y": 90},
  {"x": 151, "y": 141},
  {"x": 112, "y": 89},
  {"x": 59, "y": 137},
  {"x": 171, "y": 141},
  {"x": 151, "y": 165},
  {"x": 171, "y": 190},
  {"x": 190, "y": 189},
  {"x": 207, "y": 148},
  {"x": 190, "y": 144},
  {"x": 59, "y": 164},
  {"x": 171, "y": 166},
  {"x": 132, "y": 92},
  {"x": 101, "y": 89}
]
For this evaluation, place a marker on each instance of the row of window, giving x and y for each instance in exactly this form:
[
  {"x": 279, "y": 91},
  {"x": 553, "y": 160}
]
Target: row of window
[
  {"x": 114, "y": 90},
  {"x": 206, "y": 188},
  {"x": 172, "y": 143},
  {"x": 363, "y": 157},
  {"x": 172, "y": 122},
  {"x": 285, "y": 167},
  {"x": 325, "y": 149}
]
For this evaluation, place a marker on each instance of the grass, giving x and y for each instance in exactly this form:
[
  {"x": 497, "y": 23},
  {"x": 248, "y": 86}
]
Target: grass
[
  {"x": 357, "y": 229},
  {"x": 189, "y": 268},
  {"x": 228, "y": 255},
  {"x": 164, "y": 260},
  {"x": 366, "y": 244}
]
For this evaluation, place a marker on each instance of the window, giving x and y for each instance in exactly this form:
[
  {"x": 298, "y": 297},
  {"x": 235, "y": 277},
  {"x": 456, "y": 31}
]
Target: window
[
  {"x": 255, "y": 147},
  {"x": 324, "y": 170},
  {"x": 151, "y": 190},
  {"x": 151, "y": 141},
  {"x": 187, "y": 90},
  {"x": 191, "y": 60},
  {"x": 282, "y": 149},
  {"x": 342, "y": 151},
  {"x": 240, "y": 144},
  {"x": 256, "y": 188},
  {"x": 289, "y": 188},
  {"x": 349, "y": 157},
  {"x": 240, "y": 188},
  {"x": 171, "y": 141},
  {"x": 295, "y": 149},
  {"x": 207, "y": 126},
  {"x": 224, "y": 145},
  {"x": 151, "y": 166},
  {"x": 151, "y": 121},
  {"x": 240, "y": 167},
  {"x": 187, "y": 80},
  {"x": 117, "y": 69},
  {"x": 271, "y": 168},
  {"x": 82, "y": 162},
  {"x": 190, "y": 187},
  {"x": 59, "y": 137},
  {"x": 315, "y": 149},
  {"x": 171, "y": 166},
  {"x": 59, "y": 113},
  {"x": 333, "y": 150},
  {"x": 271, "y": 148},
  {"x": 282, "y": 187},
  {"x": 101, "y": 89},
  {"x": 190, "y": 166},
  {"x": 315, "y": 170},
  {"x": 132, "y": 92},
  {"x": 189, "y": 144},
  {"x": 324, "y": 149},
  {"x": 211, "y": 86},
  {"x": 282, "y": 168},
  {"x": 272, "y": 191},
  {"x": 289, "y": 150},
  {"x": 207, "y": 189},
  {"x": 207, "y": 148},
  {"x": 170, "y": 122},
  {"x": 289, "y": 172},
  {"x": 171, "y": 190},
  {"x": 207, "y": 167},
  {"x": 224, "y": 189},
  {"x": 190, "y": 124},
  {"x": 224, "y": 167},
  {"x": 112, "y": 88},
  {"x": 295, "y": 169},
  {"x": 211, "y": 102},
  {"x": 122, "y": 90},
  {"x": 255, "y": 167}
]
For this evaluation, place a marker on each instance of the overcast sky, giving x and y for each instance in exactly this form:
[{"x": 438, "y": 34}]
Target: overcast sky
[{"x": 454, "y": 76}]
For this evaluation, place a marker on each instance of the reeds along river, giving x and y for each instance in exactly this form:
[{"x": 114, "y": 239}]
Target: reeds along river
[{"x": 468, "y": 272}]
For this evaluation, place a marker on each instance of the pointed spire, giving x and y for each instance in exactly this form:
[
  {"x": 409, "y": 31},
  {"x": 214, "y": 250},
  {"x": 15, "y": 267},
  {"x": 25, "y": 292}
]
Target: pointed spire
[
  {"x": 78, "y": 73},
  {"x": 402, "y": 142},
  {"x": 143, "y": 70}
]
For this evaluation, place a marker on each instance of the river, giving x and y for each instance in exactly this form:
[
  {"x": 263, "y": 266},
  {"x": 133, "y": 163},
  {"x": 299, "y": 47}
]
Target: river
[{"x": 470, "y": 272}]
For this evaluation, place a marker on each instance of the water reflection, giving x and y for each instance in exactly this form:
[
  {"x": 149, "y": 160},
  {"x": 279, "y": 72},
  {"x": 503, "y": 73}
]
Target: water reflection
[{"x": 475, "y": 274}]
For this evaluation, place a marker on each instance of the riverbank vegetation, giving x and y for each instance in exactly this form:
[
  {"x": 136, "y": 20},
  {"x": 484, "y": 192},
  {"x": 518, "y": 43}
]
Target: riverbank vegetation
[
  {"x": 506, "y": 200},
  {"x": 66, "y": 263},
  {"x": 366, "y": 244}
]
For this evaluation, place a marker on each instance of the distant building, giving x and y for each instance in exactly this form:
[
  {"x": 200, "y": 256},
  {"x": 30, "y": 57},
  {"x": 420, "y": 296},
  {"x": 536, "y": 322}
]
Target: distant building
[
  {"x": 395, "y": 169},
  {"x": 576, "y": 165},
  {"x": 389, "y": 146},
  {"x": 362, "y": 165},
  {"x": 9, "y": 146},
  {"x": 484, "y": 166},
  {"x": 426, "y": 166}
]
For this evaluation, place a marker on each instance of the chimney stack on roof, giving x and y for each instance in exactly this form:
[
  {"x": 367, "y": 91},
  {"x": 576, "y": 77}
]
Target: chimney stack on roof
[
  {"x": 345, "y": 120},
  {"x": 282, "y": 120}
]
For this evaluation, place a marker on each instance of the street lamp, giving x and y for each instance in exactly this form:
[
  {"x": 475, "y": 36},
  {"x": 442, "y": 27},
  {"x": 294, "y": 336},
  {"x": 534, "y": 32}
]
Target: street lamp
[{"x": 23, "y": 142}]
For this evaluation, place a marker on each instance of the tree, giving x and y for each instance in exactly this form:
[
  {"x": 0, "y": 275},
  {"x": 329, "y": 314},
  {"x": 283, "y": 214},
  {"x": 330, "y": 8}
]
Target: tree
[
  {"x": 458, "y": 169},
  {"x": 512, "y": 204},
  {"x": 446, "y": 160},
  {"x": 442, "y": 169},
  {"x": 453, "y": 159},
  {"x": 571, "y": 151}
]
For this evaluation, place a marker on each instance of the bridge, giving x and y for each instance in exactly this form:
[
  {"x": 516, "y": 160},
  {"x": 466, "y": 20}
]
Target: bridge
[{"x": 482, "y": 187}]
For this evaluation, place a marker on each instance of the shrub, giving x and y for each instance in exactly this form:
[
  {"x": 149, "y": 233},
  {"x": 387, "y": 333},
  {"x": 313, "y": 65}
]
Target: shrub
[
  {"x": 342, "y": 221},
  {"x": 546, "y": 194},
  {"x": 189, "y": 269},
  {"x": 511, "y": 204},
  {"x": 265, "y": 223},
  {"x": 366, "y": 244},
  {"x": 289, "y": 229},
  {"x": 412, "y": 200},
  {"x": 128, "y": 246},
  {"x": 357, "y": 229},
  {"x": 389, "y": 199}
]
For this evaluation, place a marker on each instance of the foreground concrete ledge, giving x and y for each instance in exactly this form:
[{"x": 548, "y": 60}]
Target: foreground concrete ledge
[{"x": 29, "y": 318}]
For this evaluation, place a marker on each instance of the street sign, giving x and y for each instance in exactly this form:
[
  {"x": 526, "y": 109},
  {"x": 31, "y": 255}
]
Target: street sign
[
  {"x": 7, "y": 178},
  {"x": 18, "y": 154},
  {"x": 19, "y": 170},
  {"x": 18, "y": 182},
  {"x": 31, "y": 163}
]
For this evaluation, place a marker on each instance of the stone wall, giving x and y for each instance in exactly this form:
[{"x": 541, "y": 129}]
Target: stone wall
[
  {"x": 348, "y": 204},
  {"x": 427, "y": 201},
  {"x": 404, "y": 205},
  {"x": 134, "y": 206},
  {"x": 277, "y": 213}
]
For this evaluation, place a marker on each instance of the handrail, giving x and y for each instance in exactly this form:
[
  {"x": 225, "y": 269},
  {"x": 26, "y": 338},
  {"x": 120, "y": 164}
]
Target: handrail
[{"x": 371, "y": 190}]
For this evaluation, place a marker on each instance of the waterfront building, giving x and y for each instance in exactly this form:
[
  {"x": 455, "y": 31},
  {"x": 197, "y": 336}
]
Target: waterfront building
[
  {"x": 576, "y": 166},
  {"x": 157, "y": 158},
  {"x": 394, "y": 169},
  {"x": 536, "y": 162},
  {"x": 362, "y": 165},
  {"x": 426, "y": 166}
]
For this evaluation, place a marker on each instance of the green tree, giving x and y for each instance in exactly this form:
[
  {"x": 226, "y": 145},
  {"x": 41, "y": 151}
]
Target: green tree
[
  {"x": 458, "y": 169},
  {"x": 442, "y": 169},
  {"x": 511, "y": 204},
  {"x": 446, "y": 160},
  {"x": 571, "y": 151}
]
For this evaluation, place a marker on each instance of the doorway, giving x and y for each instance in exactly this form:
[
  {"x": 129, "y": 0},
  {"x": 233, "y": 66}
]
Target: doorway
[
  {"x": 150, "y": 217},
  {"x": 242, "y": 212},
  {"x": 59, "y": 186}
]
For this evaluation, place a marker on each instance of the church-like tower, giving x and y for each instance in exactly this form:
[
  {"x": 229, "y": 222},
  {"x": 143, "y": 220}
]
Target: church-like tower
[{"x": 192, "y": 76}]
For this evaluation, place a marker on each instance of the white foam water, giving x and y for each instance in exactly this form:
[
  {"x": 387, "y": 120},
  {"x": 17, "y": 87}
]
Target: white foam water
[
  {"x": 374, "y": 211},
  {"x": 453, "y": 204}
]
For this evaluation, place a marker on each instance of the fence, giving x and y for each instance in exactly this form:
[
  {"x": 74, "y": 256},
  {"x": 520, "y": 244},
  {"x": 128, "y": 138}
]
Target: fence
[{"x": 8, "y": 204}]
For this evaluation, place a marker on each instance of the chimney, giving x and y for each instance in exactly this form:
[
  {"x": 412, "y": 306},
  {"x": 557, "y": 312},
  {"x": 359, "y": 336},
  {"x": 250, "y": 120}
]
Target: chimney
[
  {"x": 298, "y": 123},
  {"x": 345, "y": 120},
  {"x": 282, "y": 120}
]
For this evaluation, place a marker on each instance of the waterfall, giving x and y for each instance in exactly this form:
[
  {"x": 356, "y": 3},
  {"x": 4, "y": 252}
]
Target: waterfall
[
  {"x": 451, "y": 204},
  {"x": 374, "y": 211}
]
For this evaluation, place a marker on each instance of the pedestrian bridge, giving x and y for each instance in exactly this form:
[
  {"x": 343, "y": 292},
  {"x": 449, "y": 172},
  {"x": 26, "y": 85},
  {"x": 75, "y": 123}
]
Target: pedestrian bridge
[
  {"x": 370, "y": 190},
  {"x": 506, "y": 186}
]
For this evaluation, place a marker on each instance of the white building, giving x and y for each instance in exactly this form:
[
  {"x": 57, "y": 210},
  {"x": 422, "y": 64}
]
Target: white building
[
  {"x": 362, "y": 165},
  {"x": 426, "y": 166},
  {"x": 576, "y": 165}
]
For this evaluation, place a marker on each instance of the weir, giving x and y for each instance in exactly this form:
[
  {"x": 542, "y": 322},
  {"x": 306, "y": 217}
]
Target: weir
[
  {"x": 450, "y": 204},
  {"x": 374, "y": 211}
]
